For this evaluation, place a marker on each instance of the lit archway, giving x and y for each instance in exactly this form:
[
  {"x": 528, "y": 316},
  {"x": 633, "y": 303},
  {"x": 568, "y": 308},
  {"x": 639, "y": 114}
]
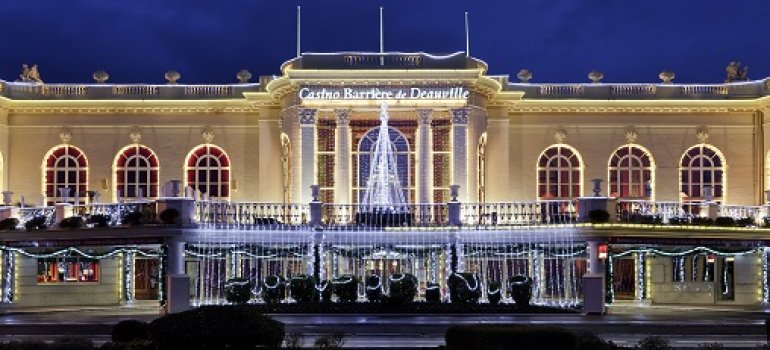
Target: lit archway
[
  {"x": 364, "y": 153},
  {"x": 559, "y": 173},
  {"x": 631, "y": 173},
  {"x": 65, "y": 166},
  {"x": 207, "y": 170},
  {"x": 135, "y": 173}
]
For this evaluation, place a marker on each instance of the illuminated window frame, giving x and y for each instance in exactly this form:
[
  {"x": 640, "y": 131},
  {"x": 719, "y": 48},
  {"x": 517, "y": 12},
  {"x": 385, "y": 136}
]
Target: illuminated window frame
[
  {"x": 67, "y": 269},
  {"x": 51, "y": 169},
  {"x": 150, "y": 167},
  {"x": 544, "y": 166},
  {"x": 359, "y": 154},
  {"x": 641, "y": 162},
  {"x": 222, "y": 170},
  {"x": 688, "y": 166}
]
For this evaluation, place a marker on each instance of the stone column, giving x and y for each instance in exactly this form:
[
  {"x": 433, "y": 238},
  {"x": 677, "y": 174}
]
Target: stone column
[
  {"x": 459, "y": 137},
  {"x": 342, "y": 170},
  {"x": 307, "y": 147},
  {"x": 270, "y": 173},
  {"x": 424, "y": 160},
  {"x": 290, "y": 126}
]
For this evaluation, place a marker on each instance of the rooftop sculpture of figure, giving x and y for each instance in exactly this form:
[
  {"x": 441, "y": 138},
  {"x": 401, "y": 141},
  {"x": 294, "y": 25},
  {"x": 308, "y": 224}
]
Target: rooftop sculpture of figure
[
  {"x": 30, "y": 75},
  {"x": 735, "y": 72}
]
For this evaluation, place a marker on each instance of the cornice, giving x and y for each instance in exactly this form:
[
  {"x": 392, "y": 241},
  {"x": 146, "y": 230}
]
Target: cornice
[
  {"x": 636, "y": 106},
  {"x": 108, "y": 107}
]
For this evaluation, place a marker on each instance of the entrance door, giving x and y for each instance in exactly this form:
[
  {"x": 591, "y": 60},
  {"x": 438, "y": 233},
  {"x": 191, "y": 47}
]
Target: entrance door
[
  {"x": 146, "y": 280},
  {"x": 624, "y": 278}
]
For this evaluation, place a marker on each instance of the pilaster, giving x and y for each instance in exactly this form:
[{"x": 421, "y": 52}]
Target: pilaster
[
  {"x": 307, "y": 148},
  {"x": 424, "y": 162},
  {"x": 342, "y": 168},
  {"x": 459, "y": 143}
]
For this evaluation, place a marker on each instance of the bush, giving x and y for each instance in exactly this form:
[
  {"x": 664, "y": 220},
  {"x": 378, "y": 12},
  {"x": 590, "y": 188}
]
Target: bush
[
  {"x": 678, "y": 221},
  {"x": 504, "y": 336},
  {"x": 238, "y": 290},
  {"x": 493, "y": 292},
  {"x": 403, "y": 288},
  {"x": 598, "y": 216},
  {"x": 170, "y": 216},
  {"x": 217, "y": 327},
  {"x": 99, "y": 220},
  {"x": 520, "y": 289},
  {"x": 745, "y": 222},
  {"x": 374, "y": 288},
  {"x": 302, "y": 288},
  {"x": 724, "y": 221},
  {"x": 72, "y": 222},
  {"x": 700, "y": 221},
  {"x": 346, "y": 288},
  {"x": 332, "y": 341},
  {"x": 273, "y": 289},
  {"x": 464, "y": 288},
  {"x": 654, "y": 342},
  {"x": 130, "y": 330},
  {"x": 9, "y": 224},
  {"x": 133, "y": 218},
  {"x": 36, "y": 223},
  {"x": 433, "y": 292}
]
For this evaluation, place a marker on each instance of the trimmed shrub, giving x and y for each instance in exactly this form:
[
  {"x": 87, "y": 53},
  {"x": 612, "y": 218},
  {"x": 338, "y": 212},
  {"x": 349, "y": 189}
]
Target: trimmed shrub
[
  {"x": 36, "y": 223},
  {"x": 238, "y": 290},
  {"x": 170, "y": 216},
  {"x": 130, "y": 330},
  {"x": 724, "y": 221},
  {"x": 520, "y": 289},
  {"x": 133, "y": 218},
  {"x": 72, "y": 222},
  {"x": 494, "y": 293},
  {"x": 99, "y": 220},
  {"x": 302, "y": 289},
  {"x": 433, "y": 292},
  {"x": 745, "y": 222},
  {"x": 464, "y": 288},
  {"x": 678, "y": 221},
  {"x": 654, "y": 342},
  {"x": 374, "y": 288},
  {"x": 346, "y": 288},
  {"x": 403, "y": 288},
  {"x": 273, "y": 289},
  {"x": 325, "y": 290},
  {"x": 700, "y": 221},
  {"x": 9, "y": 224},
  {"x": 217, "y": 327},
  {"x": 598, "y": 216},
  {"x": 500, "y": 337}
]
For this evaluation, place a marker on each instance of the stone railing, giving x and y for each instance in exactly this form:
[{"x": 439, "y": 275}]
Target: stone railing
[
  {"x": 29, "y": 91},
  {"x": 252, "y": 213},
  {"x": 651, "y": 212}
]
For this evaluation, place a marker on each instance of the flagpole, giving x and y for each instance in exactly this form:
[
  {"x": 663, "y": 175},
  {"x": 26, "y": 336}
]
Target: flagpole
[
  {"x": 467, "y": 37},
  {"x": 299, "y": 30},
  {"x": 382, "y": 41}
]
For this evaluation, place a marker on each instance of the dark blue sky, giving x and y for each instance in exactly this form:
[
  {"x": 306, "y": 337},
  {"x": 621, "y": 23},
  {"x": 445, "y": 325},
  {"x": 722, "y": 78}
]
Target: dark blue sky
[{"x": 208, "y": 41}]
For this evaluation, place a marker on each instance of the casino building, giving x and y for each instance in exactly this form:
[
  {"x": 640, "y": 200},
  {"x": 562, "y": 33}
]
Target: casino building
[{"x": 503, "y": 177}]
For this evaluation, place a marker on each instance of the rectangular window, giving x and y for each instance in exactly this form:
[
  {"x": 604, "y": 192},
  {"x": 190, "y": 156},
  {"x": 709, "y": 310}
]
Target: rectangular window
[{"x": 67, "y": 270}]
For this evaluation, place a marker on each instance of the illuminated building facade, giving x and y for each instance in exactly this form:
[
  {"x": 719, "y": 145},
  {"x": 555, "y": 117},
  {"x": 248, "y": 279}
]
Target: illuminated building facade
[{"x": 523, "y": 155}]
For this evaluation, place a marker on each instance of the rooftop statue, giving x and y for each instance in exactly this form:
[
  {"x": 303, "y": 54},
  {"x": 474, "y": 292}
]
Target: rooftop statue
[
  {"x": 30, "y": 75},
  {"x": 736, "y": 72}
]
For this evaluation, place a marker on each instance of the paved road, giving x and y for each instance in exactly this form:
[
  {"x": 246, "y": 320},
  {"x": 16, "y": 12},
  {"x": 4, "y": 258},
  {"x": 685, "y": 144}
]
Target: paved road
[{"x": 685, "y": 327}]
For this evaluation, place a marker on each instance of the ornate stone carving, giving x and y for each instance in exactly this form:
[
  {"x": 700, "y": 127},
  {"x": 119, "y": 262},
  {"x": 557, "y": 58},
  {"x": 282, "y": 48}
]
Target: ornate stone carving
[
  {"x": 666, "y": 76},
  {"x": 172, "y": 77},
  {"x": 100, "y": 76},
  {"x": 560, "y": 136},
  {"x": 460, "y": 116},
  {"x": 65, "y": 135},
  {"x": 631, "y": 135},
  {"x": 243, "y": 76},
  {"x": 524, "y": 76},
  {"x": 424, "y": 116},
  {"x": 207, "y": 134},
  {"x": 343, "y": 116},
  {"x": 702, "y": 134},
  {"x": 135, "y": 135},
  {"x": 30, "y": 74},
  {"x": 307, "y": 116},
  {"x": 736, "y": 72},
  {"x": 596, "y": 76}
]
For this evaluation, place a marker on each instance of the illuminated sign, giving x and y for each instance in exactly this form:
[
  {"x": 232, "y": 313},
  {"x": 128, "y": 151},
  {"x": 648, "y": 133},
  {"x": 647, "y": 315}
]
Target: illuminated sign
[{"x": 377, "y": 93}]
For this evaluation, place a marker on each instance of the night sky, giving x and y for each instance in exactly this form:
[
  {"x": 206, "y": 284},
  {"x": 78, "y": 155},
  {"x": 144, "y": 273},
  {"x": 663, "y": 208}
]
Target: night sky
[{"x": 208, "y": 41}]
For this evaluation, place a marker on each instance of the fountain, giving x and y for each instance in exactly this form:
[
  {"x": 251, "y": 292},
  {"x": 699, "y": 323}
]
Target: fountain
[{"x": 383, "y": 203}]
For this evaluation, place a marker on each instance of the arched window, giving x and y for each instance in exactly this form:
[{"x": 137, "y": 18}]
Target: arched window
[
  {"x": 65, "y": 166},
  {"x": 366, "y": 150},
  {"x": 559, "y": 173},
  {"x": 208, "y": 170},
  {"x": 702, "y": 167},
  {"x": 136, "y": 173},
  {"x": 482, "y": 171},
  {"x": 631, "y": 170}
]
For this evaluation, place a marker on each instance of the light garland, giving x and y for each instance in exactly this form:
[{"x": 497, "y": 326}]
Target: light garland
[
  {"x": 128, "y": 271},
  {"x": 8, "y": 282},
  {"x": 765, "y": 288},
  {"x": 77, "y": 251}
]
